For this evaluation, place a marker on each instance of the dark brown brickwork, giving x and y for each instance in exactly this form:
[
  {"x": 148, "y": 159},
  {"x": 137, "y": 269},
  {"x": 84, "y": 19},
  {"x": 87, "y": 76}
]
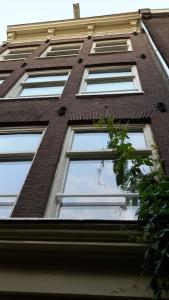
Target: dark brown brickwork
[
  {"x": 136, "y": 108},
  {"x": 158, "y": 27}
]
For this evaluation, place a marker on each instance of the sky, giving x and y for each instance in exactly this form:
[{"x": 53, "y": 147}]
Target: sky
[{"x": 29, "y": 11}]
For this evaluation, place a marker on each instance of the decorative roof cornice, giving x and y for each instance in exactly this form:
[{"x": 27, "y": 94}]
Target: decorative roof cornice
[{"x": 74, "y": 28}]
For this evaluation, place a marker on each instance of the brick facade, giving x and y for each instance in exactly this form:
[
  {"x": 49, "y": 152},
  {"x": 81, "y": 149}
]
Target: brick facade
[{"x": 135, "y": 107}]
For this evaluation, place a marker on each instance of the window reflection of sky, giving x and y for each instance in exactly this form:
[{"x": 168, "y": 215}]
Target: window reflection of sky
[
  {"x": 99, "y": 140},
  {"x": 12, "y": 143},
  {"x": 12, "y": 176}
]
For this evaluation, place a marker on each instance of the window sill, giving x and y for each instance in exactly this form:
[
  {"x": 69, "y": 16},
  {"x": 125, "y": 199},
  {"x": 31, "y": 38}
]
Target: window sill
[
  {"x": 14, "y": 59},
  {"x": 109, "y": 94},
  {"x": 31, "y": 97}
]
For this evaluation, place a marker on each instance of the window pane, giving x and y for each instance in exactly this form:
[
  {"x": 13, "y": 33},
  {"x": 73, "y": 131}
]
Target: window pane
[
  {"x": 12, "y": 176},
  {"x": 109, "y": 87},
  {"x": 5, "y": 211},
  {"x": 107, "y": 73},
  {"x": 42, "y": 91},
  {"x": 7, "y": 200},
  {"x": 111, "y": 42},
  {"x": 111, "y": 49},
  {"x": 99, "y": 140},
  {"x": 90, "y": 141},
  {"x": 12, "y": 143},
  {"x": 62, "y": 52},
  {"x": 47, "y": 78},
  {"x": 99, "y": 213},
  {"x": 22, "y": 50},
  {"x": 66, "y": 46},
  {"x": 1, "y": 80},
  {"x": 91, "y": 176},
  {"x": 137, "y": 139}
]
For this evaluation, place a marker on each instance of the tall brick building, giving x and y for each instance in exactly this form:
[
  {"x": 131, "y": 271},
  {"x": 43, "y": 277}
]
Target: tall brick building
[{"x": 61, "y": 213}]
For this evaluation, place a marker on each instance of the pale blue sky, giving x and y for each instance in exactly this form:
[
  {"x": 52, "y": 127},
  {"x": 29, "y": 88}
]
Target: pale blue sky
[{"x": 21, "y": 11}]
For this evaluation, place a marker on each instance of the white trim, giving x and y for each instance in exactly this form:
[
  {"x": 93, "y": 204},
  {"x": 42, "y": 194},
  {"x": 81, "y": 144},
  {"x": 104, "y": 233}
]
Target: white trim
[
  {"x": 110, "y": 44},
  {"x": 17, "y": 89},
  {"x": 134, "y": 76},
  {"x": 64, "y": 47},
  {"x": 18, "y": 53},
  {"x": 30, "y": 156},
  {"x": 56, "y": 194}
]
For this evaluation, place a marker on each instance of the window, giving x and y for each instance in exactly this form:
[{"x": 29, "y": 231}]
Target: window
[
  {"x": 85, "y": 185},
  {"x": 17, "y": 53},
  {"x": 108, "y": 46},
  {"x": 3, "y": 76},
  {"x": 46, "y": 83},
  {"x": 110, "y": 80},
  {"x": 17, "y": 149},
  {"x": 62, "y": 50}
]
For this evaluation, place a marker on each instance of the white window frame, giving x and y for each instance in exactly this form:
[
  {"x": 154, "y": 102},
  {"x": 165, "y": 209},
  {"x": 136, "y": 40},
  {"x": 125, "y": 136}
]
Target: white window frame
[
  {"x": 64, "y": 51},
  {"x": 17, "y": 156},
  {"x": 14, "y": 93},
  {"x": 56, "y": 195},
  {"x": 109, "y": 44},
  {"x": 134, "y": 77},
  {"x": 18, "y": 54}
]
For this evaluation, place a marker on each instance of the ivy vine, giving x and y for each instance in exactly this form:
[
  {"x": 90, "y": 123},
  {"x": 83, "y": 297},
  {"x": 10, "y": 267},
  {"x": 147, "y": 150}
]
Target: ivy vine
[{"x": 153, "y": 189}]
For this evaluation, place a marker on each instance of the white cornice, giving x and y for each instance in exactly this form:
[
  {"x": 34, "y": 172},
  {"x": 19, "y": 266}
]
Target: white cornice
[{"x": 101, "y": 25}]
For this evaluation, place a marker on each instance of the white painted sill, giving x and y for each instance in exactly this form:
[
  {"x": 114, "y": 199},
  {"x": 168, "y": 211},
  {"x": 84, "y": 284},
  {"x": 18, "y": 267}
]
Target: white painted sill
[
  {"x": 109, "y": 94},
  {"x": 31, "y": 97}
]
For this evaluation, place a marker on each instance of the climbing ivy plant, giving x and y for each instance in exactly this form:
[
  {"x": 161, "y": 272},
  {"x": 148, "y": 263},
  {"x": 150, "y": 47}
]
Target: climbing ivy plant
[{"x": 153, "y": 189}]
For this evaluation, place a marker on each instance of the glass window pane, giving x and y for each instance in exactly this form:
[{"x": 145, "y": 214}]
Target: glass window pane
[
  {"x": 42, "y": 91},
  {"x": 109, "y": 73},
  {"x": 90, "y": 141},
  {"x": 99, "y": 140},
  {"x": 98, "y": 213},
  {"x": 62, "y": 52},
  {"x": 7, "y": 199},
  {"x": 1, "y": 80},
  {"x": 137, "y": 139},
  {"x": 12, "y": 143},
  {"x": 12, "y": 176},
  {"x": 66, "y": 46},
  {"x": 109, "y": 87},
  {"x": 5, "y": 211},
  {"x": 47, "y": 78},
  {"x": 91, "y": 176}
]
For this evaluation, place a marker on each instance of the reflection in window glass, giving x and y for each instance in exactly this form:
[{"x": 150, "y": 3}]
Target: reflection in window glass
[
  {"x": 12, "y": 143},
  {"x": 98, "y": 212},
  {"x": 99, "y": 140},
  {"x": 90, "y": 176},
  {"x": 12, "y": 176},
  {"x": 5, "y": 211},
  {"x": 109, "y": 86},
  {"x": 109, "y": 73},
  {"x": 47, "y": 78},
  {"x": 35, "y": 91}
]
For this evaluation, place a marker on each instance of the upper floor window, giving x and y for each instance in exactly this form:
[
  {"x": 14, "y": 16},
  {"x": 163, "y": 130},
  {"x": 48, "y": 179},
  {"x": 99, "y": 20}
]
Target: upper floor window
[
  {"x": 62, "y": 50},
  {"x": 110, "y": 80},
  {"x": 44, "y": 83},
  {"x": 85, "y": 185},
  {"x": 17, "y": 53},
  {"x": 17, "y": 149},
  {"x": 108, "y": 46}
]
